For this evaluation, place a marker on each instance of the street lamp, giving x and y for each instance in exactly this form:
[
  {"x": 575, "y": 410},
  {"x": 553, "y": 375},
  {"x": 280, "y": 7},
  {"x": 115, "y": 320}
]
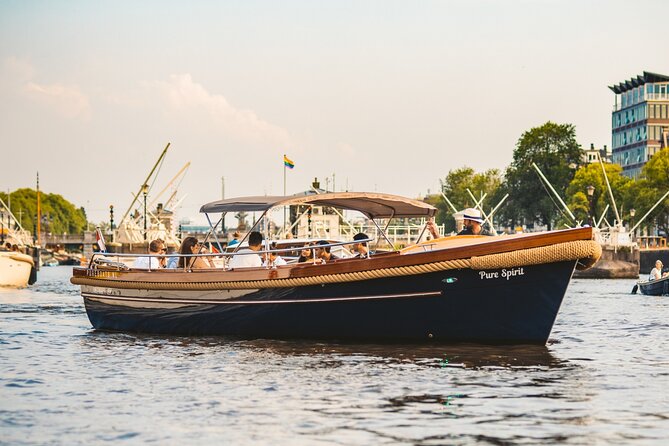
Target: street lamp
[
  {"x": 591, "y": 192},
  {"x": 632, "y": 212},
  {"x": 111, "y": 221},
  {"x": 145, "y": 191}
]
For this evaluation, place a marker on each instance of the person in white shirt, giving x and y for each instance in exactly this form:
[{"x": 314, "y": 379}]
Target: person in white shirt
[
  {"x": 656, "y": 273},
  {"x": 245, "y": 257},
  {"x": 156, "y": 247},
  {"x": 272, "y": 258}
]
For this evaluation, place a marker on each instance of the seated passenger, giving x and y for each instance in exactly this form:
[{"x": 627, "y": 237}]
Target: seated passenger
[
  {"x": 244, "y": 257},
  {"x": 172, "y": 260},
  {"x": 360, "y": 248},
  {"x": 307, "y": 254},
  {"x": 190, "y": 246},
  {"x": 323, "y": 252},
  {"x": 156, "y": 247},
  {"x": 273, "y": 258},
  {"x": 235, "y": 239},
  {"x": 473, "y": 222},
  {"x": 656, "y": 273}
]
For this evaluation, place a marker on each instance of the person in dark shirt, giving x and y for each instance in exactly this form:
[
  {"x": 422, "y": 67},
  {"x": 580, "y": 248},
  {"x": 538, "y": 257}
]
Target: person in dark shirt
[
  {"x": 361, "y": 250},
  {"x": 323, "y": 252},
  {"x": 473, "y": 223}
]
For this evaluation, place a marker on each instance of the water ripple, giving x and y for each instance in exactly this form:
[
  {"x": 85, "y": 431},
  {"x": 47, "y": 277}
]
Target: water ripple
[{"x": 601, "y": 379}]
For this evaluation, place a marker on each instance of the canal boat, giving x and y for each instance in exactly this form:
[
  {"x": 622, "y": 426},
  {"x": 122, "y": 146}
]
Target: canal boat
[
  {"x": 659, "y": 287},
  {"x": 495, "y": 290},
  {"x": 17, "y": 270}
]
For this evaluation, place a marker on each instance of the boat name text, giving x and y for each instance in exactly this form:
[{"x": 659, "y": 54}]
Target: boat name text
[{"x": 504, "y": 274}]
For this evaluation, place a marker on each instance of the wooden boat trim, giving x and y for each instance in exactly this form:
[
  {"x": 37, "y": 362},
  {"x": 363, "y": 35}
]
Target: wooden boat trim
[{"x": 346, "y": 270}]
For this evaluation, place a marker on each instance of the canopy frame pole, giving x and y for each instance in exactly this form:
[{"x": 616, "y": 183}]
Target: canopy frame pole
[{"x": 212, "y": 229}]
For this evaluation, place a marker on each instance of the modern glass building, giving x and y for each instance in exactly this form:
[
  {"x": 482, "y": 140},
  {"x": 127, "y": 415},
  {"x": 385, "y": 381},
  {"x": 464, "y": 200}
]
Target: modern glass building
[{"x": 640, "y": 120}]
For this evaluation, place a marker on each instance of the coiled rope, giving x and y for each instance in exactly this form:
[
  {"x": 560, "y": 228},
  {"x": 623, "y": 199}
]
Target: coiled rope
[{"x": 586, "y": 251}]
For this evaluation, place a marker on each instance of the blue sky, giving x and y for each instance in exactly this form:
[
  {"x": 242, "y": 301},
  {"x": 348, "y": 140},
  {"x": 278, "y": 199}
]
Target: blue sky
[{"x": 387, "y": 96}]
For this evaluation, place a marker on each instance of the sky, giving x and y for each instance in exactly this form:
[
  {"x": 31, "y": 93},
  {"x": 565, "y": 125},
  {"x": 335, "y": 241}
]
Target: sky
[{"x": 380, "y": 96}]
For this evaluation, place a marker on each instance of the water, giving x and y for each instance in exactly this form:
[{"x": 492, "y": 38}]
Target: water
[{"x": 603, "y": 379}]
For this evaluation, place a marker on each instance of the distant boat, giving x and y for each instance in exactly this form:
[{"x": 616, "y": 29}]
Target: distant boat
[
  {"x": 659, "y": 287},
  {"x": 504, "y": 289},
  {"x": 16, "y": 269},
  {"x": 51, "y": 262}
]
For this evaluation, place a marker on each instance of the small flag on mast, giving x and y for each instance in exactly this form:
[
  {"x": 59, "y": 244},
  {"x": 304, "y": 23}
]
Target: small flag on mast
[
  {"x": 288, "y": 163},
  {"x": 100, "y": 240}
]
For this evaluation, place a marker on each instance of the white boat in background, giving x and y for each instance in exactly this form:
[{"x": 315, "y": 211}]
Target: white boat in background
[{"x": 15, "y": 269}]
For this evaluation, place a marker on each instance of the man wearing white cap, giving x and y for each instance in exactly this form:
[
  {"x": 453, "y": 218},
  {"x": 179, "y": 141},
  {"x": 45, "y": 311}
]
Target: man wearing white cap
[{"x": 473, "y": 221}]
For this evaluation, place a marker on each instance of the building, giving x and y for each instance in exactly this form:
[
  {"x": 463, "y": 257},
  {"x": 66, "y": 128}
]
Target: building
[
  {"x": 593, "y": 155},
  {"x": 640, "y": 120}
]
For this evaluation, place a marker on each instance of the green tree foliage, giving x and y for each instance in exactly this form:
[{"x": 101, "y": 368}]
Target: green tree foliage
[
  {"x": 554, "y": 149},
  {"x": 58, "y": 214},
  {"x": 652, "y": 187},
  {"x": 455, "y": 186},
  {"x": 591, "y": 175}
]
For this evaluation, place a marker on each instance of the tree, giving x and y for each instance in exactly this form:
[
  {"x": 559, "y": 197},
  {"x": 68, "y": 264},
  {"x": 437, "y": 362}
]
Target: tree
[
  {"x": 455, "y": 186},
  {"x": 656, "y": 175},
  {"x": 58, "y": 214},
  {"x": 554, "y": 149},
  {"x": 591, "y": 175}
]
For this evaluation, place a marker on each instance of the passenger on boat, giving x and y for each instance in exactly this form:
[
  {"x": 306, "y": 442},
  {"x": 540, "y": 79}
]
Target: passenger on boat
[
  {"x": 656, "y": 273},
  {"x": 235, "y": 239},
  {"x": 172, "y": 259},
  {"x": 156, "y": 247},
  {"x": 360, "y": 248},
  {"x": 273, "y": 258},
  {"x": 307, "y": 254},
  {"x": 323, "y": 252},
  {"x": 473, "y": 221},
  {"x": 245, "y": 257},
  {"x": 190, "y": 246}
]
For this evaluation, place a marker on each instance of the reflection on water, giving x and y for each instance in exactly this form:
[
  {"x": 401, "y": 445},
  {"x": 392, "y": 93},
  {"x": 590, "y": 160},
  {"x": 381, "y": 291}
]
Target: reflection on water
[{"x": 602, "y": 379}]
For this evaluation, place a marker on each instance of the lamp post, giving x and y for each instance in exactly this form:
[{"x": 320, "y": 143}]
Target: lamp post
[
  {"x": 145, "y": 191},
  {"x": 591, "y": 192},
  {"x": 632, "y": 212},
  {"x": 111, "y": 221}
]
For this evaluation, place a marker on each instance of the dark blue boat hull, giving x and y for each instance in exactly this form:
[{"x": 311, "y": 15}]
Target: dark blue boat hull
[{"x": 447, "y": 306}]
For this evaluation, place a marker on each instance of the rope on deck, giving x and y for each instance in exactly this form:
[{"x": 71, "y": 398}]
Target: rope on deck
[{"x": 584, "y": 251}]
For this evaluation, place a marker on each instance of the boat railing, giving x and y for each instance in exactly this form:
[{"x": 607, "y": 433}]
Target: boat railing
[
  {"x": 124, "y": 261},
  {"x": 647, "y": 242}
]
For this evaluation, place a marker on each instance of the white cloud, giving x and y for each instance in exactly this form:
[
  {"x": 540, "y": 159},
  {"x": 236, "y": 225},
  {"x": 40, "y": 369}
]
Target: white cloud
[
  {"x": 18, "y": 77},
  {"x": 68, "y": 101},
  {"x": 188, "y": 98}
]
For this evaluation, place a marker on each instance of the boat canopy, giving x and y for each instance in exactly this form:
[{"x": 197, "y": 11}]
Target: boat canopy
[{"x": 372, "y": 204}]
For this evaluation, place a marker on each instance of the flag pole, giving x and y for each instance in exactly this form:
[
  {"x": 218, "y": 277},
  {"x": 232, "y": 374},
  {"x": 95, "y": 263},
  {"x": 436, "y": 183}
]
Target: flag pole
[
  {"x": 284, "y": 194},
  {"x": 39, "y": 216}
]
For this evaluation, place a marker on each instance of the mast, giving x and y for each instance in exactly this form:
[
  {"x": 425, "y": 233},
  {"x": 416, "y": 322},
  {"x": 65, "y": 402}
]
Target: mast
[
  {"x": 136, "y": 196},
  {"x": 541, "y": 175},
  {"x": 39, "y": 216},
  {"x": 608, "y": 187}
]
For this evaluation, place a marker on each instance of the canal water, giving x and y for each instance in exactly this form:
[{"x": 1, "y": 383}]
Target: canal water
[{"x": 603, "y": 378}]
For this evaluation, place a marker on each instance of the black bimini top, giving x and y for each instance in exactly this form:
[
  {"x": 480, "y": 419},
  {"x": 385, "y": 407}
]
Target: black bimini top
[{"x": 372, "y": 204}]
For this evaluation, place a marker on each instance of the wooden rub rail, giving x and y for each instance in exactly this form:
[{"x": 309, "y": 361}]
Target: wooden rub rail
[{"x": 586, "y": 251}]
